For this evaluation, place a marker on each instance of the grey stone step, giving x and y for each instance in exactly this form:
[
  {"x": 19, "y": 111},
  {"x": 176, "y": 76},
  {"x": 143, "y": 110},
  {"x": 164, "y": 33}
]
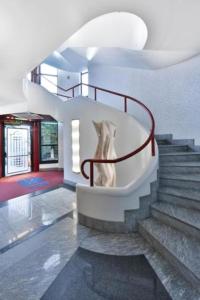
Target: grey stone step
[
  {"x": 180, "y": 157},
  {"x": 182, "y": 197},
  {"x": 189, "y": 142},
  {"x": 183, "y": 219},
  {"x": 163, "y": 142},
  {"x": 181, "y": 163},
  {"x": 163, "y": 139},
  {"x": 166, "y": 136},
  {"x": 173, "y": 148},
  {"x": 182, "y": 251},
  {"x": 184, "y": 193},
  {"x": 180, "y": 168},
  {"x": 177, "y": 287},
  {"x": 189, "y": 181}
]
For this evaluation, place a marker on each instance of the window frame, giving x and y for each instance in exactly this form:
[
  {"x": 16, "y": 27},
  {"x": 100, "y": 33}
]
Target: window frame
[
  {"x": 53, "y": 161},
  {"x": 82, "y": 81}
]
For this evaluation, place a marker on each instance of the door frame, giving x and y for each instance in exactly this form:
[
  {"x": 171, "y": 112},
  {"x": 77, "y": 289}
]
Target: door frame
[{"x": 4, "y": 150}]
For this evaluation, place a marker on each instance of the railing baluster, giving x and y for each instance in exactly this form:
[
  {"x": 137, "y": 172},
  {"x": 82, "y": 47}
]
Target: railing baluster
[
  {"x": 95, "y": 94},
  {"x": 125, "y": 104},
  {"x": 91, "y": 173},
  {"x": 73, "y": 92},
  {"x": 153, "y": 146}
]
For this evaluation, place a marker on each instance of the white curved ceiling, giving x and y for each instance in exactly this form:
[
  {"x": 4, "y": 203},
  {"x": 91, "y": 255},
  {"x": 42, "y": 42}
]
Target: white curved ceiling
[
  {"x": 31, "y": 30},
  {"x": 71, "y": 61},
  {"x": 117, "y": 29},
  {"x": 128, "y": 58}
]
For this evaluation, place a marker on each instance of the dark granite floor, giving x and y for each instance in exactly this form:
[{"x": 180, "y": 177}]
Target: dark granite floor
[{"x": 92, "y": 276}]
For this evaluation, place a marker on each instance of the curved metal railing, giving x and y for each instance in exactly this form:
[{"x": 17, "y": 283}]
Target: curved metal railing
[{"x": 125, "y": 98}]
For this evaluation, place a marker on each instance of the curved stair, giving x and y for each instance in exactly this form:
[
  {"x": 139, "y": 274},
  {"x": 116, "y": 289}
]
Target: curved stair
[
  {"x": 174, "y": 226},
  {"x": 110, "y": 209}
]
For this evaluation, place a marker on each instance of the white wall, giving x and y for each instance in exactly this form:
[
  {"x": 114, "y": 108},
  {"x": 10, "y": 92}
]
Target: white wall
[
  {"x": 13, "y": 108},
  {"x": 67, "y": 80},
  {"x": 40, "y": 101},
  {"x": 172, "y": 94},
  {"x": 130, "y": 135}
]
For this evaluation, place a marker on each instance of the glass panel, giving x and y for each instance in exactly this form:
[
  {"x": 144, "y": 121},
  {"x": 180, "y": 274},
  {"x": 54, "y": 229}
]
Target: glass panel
[
  {"x": 46, "y": 69},
  {"x": 49, "y": 141},
  {"x": 85, "y": 79},
  {"x": 49, "y": 133},
  {"x": 49, "y": 153},
  {"x": 49, "y": 83},
  {"x": 17, "y": 148},
  {"x": 28, "y": 76}
]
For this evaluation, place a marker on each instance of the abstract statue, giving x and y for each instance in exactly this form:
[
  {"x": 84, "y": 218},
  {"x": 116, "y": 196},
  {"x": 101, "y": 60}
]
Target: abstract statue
[{"x": 106, "y": 132}]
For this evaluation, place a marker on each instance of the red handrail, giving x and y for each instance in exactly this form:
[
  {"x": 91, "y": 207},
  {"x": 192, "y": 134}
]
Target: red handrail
[
  {"x": 150, "y": 138},
  {"x": 139, "y": 149}
]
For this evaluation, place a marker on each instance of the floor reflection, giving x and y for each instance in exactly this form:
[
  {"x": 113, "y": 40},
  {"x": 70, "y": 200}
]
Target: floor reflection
[
  {"x": 21, "y": 206},
  {"x": 24, "y": 215},
  {"x": 92, "y": 276}
]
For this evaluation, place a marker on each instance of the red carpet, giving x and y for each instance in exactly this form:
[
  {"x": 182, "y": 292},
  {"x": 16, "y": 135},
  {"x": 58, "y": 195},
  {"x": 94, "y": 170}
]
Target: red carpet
[{"x": 10, "y": 187}]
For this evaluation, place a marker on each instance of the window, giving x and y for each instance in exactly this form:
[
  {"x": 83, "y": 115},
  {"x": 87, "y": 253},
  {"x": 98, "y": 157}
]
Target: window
[
  {"x": 49, "y": 142},
  {"x": 28, "y": 76},
  {"x": 49, "y": 78},
  {"x": 85, "y": 79}
]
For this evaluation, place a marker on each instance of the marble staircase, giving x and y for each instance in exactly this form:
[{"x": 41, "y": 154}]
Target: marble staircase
[{"x": 174, "y": 226}]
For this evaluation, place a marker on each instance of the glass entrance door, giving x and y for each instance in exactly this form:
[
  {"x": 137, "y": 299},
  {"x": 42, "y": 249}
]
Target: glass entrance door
[{"x": 17, "y": 149}]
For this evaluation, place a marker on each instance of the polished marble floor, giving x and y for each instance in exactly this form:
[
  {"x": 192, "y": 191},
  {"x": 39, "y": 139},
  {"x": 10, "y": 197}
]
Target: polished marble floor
[
  {"x": 25, "y": 215},
  {"x": 90, "y": 275},
  {"x": 47, "y": 234}
]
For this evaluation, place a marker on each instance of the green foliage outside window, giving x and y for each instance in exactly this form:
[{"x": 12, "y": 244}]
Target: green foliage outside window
[{"x": 49, "y": 142}]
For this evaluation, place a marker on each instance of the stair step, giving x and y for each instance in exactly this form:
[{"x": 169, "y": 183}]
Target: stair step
[
  {"x": 184, "y": 193},
  {"x": 164, "y": 139},
  {"x": 177, "y": 287},
  {"x": 180, "y": 168},
  {"x": 189, "y": 142},
  {"x": 166, "y": 136},
  {"x": 190, "y": 181},
  {"x": 180, "y": 157},
  {"x": 163, "y": 142},
  {"x": 173, "y": 148},
  {"x": 182, "y": 251},
  {"x": 181, "y": 163},
  {"x": 183, "y": 219},
  {"x": 183, "y": 197}
]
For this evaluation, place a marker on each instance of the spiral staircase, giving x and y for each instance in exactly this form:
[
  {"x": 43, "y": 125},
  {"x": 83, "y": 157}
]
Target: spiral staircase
[
  {"x": 120, "y": 208},
  {"x": 168, "y": 214}
]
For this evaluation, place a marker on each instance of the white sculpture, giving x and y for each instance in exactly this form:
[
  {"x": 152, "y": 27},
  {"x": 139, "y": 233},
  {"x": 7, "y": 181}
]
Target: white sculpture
[{"x": 106, "y": 132}]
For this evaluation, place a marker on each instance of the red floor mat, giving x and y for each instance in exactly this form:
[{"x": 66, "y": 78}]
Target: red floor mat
[{"x": 10, "y": 187}]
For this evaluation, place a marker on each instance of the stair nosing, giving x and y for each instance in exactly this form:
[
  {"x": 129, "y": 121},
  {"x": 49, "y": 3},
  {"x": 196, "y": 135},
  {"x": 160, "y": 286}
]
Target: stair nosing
[
  {"x": 162, "y": 176},
  {"x": 180, "y": 153},
  {"x": 178, "y": 196},
  {"x": 173, "y": 145},
  {"x": 166, "y": 246},
  {"x": 181, "y": 165},
  {"x": 175, "y": 217}
]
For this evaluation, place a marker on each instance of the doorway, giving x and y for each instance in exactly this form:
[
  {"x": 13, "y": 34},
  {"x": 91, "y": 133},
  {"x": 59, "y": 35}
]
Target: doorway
[{"x": 17, "y": 149}]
